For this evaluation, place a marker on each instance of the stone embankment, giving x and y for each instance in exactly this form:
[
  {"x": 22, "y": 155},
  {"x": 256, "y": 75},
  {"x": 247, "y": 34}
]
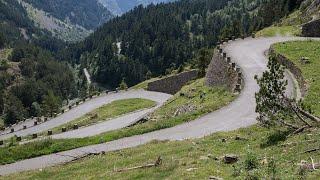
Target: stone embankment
[
  {"x": 292, "y": 68},
  {"x": 311, "y": 29},
  {"x": 174, "y": 83},
  {"x": 223, "y": 72}
]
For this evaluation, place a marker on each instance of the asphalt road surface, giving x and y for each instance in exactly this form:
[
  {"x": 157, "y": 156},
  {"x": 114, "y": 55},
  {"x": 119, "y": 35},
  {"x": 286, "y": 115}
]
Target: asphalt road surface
[{"x": 85, "y": 108}]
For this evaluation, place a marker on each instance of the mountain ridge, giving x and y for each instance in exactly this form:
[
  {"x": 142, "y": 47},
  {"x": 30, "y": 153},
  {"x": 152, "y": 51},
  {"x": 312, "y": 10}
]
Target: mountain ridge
[{"x": 119, "y": 7}]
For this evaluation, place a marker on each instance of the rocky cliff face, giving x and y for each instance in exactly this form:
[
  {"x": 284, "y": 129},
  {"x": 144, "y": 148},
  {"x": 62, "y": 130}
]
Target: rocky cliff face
[{"x": 311, "y": 9}]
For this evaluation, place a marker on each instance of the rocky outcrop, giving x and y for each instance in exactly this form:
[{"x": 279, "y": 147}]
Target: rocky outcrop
[
  {"x": 311, "y": 29},
  {"x": 172, "y": 84},
  {"x": 292, "y": 68}
]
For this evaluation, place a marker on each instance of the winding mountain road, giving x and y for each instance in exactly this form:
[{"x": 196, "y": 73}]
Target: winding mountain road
[
  {"x": 87, "y": 107},
  {"x": 248, "y": 54}
]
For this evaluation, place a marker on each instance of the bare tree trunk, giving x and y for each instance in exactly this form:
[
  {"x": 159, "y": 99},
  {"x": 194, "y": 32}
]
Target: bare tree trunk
[
  {"x": 300, "y": 117},
  {"x": 289, "y": 125},
  {"x": 309, "y": 115}
]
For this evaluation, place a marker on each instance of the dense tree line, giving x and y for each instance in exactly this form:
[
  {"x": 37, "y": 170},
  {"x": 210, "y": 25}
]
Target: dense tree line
[
  {"x": 158, "y": 38},
  {"x": 39, "y": 89},
  {"x": 32, "y": 81}
]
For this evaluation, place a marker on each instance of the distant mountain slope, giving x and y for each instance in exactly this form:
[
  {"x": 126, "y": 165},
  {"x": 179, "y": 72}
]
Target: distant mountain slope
[
  {"x": 118, "y": 7},
  {"x": 86, "y": 13},
  {"x": 16, "y": 26},
  {"x": 309, "y": 10},
  {"x": 159, "y": 38},
  {"x": 60, "y": 29}
]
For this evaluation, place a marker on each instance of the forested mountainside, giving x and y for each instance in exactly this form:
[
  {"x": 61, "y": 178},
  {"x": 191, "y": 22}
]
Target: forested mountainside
[
  {"x": 118, "y": 7},
  {"x": 309, "y": 10},
  {"x": 156, "y": 39},
  {"x": 32, "y": 82},
  {"x": 86, "y": 13},
  {"x": 15, "y": 26}
]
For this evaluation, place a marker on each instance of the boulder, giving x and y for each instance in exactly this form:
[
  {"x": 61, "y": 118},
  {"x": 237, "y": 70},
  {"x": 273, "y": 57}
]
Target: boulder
[{"x": 230, "y": 158}]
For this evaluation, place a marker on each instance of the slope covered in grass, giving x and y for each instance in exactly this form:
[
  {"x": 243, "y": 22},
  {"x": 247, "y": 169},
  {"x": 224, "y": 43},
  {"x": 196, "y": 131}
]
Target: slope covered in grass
[
  {"x": 266, "y": 153},
  {"x": 192, "y": 102},
  {"x": 107, "y": 112},
  {"x": 311, "y": 71}
]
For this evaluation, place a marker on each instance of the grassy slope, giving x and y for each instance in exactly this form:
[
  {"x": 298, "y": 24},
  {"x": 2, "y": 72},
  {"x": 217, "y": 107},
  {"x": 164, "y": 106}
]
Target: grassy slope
[
  {"x": 279, "y": 31},
  {"x": 178, "y": 157},
  {"x": 144, "y": 84},
  {"x": 107, "y": 112},
  {"x": 294, "y": 51},
  {"x": 262, "y": 146},
  {"x": 212, "y": 99}
]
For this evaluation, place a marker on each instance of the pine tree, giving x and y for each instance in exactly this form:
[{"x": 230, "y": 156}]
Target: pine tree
[
  {"x": 271, "y": 95},
  {"x": 2, "y": 41},
  {"x": 123, "y": 85},
  {"x": 51, "y": 104},
  {"x": 13, "y": 110},
  {"x": 273, "y": 106},
  {"x": 203, "y": 61}
]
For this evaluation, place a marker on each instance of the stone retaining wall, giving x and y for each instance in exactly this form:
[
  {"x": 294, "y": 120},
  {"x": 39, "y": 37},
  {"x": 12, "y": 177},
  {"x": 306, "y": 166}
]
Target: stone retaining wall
[
  {"x": 311, "y": 29},
  {"x": 172, "y": 84},
  {"x": 221, "y": 73},
  {"x": 292, "y": 68}
]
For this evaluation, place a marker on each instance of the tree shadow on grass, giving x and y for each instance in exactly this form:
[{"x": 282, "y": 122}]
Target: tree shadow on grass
[{"x": 274, "y": 138}]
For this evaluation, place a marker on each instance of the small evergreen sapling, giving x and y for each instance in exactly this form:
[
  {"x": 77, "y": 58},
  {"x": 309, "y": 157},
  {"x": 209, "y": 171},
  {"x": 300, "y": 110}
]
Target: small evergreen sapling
[{"x": 273, "y": 106}]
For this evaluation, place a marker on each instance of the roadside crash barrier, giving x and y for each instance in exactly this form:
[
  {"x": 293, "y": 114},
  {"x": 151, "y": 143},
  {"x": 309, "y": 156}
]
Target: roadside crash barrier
[
  {"x": 18, "y": 138},
  {"x": 49, "y": 132}
]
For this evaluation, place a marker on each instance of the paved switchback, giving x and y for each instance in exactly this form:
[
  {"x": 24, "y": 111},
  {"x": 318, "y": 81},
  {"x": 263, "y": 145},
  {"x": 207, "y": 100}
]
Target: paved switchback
[
  {"x": 87, "y": 107},
  {"x": 248, "y": 54}
]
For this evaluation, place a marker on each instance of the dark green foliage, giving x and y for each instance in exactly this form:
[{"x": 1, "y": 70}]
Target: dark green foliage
[
  {"x": 274, "y": 138},
  {"x": 13, "y": 110},
  {"x": 51, "y": 104},
  {"x": 251, "y": 162},
  {"x": 87, "y": 13},
  {"x": 271, "y": 96},
  {"x": 2, "y": 40},
  {"x": 35, "y": 109},
  {"x": 46, "y": 83},
  {"x": 203, "y": 60},
  {"x": 1, "y": 102},
  {"x": 273, "y": 105},
  {"x": 123, "y": 85},
  {"x": 160, "y": 38}
]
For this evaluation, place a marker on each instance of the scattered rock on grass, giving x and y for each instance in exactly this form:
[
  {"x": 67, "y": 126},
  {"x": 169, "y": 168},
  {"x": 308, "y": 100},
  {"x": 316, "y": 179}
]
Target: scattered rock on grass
[
  {"x": 191, "y": 169},
  {"x": 230, "y": 158},
  {"x": 215, "y": 178}
]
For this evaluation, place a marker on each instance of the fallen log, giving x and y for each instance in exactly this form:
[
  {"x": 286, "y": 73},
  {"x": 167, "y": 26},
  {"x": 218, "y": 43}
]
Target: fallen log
[
  {"x": 157, "y": 163},
  {"x": 312, "y": 150},
  {"x": 309, "y": 115},
  {"x": 300, "y": 130}
]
